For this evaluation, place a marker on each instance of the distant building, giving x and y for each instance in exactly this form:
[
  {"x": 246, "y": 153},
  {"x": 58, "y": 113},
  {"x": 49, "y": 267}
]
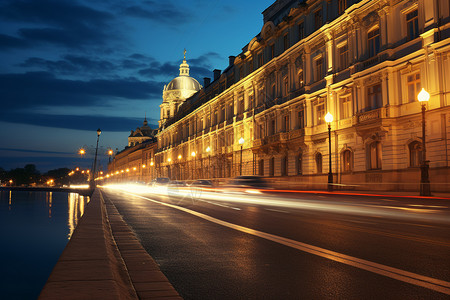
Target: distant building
[
  {"x": 141, "y": 134},
  {"x": 362, "y": 61}
]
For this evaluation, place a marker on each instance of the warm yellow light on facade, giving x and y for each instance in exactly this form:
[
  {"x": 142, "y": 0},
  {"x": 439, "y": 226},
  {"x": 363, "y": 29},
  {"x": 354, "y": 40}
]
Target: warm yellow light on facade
[
  {"x": 134, "y": 168},
  {"x": 121, "y": 171},
  {"x": 117, "y": 172},
  {"x": 143, "y": 166},
  {"x": 128, "y": 170},
  {"x": 151, "y": 163},
  {"x": 423, "y": 96},
  {"x": 241, "y": 141},
  {"x": 208, "y": 149},
  {"x": 169, "y": 159},
  {"x": 179, "y": 156},
  {"x": 193, "y": 154},
  {"x": 329, "y": 117}
]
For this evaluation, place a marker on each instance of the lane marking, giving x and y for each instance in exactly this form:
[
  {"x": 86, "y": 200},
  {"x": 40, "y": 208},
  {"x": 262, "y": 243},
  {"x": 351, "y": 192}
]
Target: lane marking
[
  {"x": 398, "y": 274},
  {"x": 218, "y": 204},
  {"x": 277, "y": 210}
]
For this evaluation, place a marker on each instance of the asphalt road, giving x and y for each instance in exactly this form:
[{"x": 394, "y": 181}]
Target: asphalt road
[{"x": 293, "y": 246}]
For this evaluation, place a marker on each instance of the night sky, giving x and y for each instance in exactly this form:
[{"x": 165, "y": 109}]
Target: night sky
[{"x": 69, "y": 67}]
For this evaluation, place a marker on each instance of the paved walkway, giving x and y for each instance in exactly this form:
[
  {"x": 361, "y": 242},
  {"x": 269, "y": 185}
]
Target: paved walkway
[{"x": 104, "y": 260}]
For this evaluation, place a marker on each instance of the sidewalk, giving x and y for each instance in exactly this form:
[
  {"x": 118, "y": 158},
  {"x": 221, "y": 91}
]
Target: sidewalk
[{"x": 104, "y": 260}]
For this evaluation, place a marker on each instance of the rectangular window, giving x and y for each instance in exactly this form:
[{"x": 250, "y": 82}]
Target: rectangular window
[
  {"x": 412, "y": 24},
  {"x": 286, "y": 123},
  {"x": 286, "y": 41},
  {"x": 301, "y": 118},
  {"x": 343, "y": 56},
  {"x": 318, "y": 74},
  {"x": 373, "y": 38},
  {"x": 320, "y": 113},
  {"x": 342, "y": 6},
  {"x": 301, "y": 31},
  {"x": 272, "y": 51},
  {"x": 318, "y": 19},
  {"x": 346, "y": 107},
  {"x": 374, "y": 99},
  {"x": 414, "y": 86},
  {"x": 241, "y": 106},
  {"x": 260, "y": 60},
  {"x": 286, "y": 86}
]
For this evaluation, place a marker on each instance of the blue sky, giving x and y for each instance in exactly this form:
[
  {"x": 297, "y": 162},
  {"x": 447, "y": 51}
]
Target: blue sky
[{"x": 72, "y": 66}]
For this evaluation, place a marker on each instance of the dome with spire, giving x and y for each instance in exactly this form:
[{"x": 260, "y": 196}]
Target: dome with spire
[{"x": 184, "y": 82}]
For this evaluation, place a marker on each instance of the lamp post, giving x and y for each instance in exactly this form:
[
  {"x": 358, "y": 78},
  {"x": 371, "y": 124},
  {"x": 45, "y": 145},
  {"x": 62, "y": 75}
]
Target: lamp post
[
  {"x": 425, "y": 190},
  {"x": 193, "y": 155},
  {"x": 329, "y": 119},
  {"x": 241, "y": 142},
  {"x": 179, "y": 167},
  {"x": 92, "y": 183},
  {"x": 168, "y": 167},
  {"x": 208, "y": 150},
  {"x": 110, "y": 153}
]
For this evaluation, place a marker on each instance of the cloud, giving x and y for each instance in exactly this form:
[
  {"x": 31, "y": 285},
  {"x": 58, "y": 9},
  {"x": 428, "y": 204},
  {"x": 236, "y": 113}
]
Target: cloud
[
  {"x": 59, "y": 22},
  {"x": 10, "y": 42},
  {"x": 163, "y": 12},
  {"x": 34, "y": 89},
  {"x": 91, "y": 123}
]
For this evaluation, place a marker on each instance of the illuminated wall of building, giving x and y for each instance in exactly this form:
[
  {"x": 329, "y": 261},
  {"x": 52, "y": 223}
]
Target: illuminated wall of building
[{"x": 362, "y": 61}]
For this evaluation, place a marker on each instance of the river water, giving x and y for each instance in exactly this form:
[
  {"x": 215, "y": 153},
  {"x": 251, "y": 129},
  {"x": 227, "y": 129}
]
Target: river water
[{"x": 34, "y": 229}]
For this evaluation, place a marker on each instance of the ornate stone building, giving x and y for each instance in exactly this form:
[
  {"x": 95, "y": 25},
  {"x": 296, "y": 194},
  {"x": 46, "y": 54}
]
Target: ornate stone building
[{"x": 364, "y": 61}]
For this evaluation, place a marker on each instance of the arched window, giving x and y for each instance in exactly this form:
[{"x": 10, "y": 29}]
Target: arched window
[
  {"x": 300, "y": 163},
  {"x": 319, "y": 163},
  {"x": 374, "y": 155},
  {"x": 300, "y": 78},
  {"x": 415, "y": 154},
  {"x": 347, "y": 165}
]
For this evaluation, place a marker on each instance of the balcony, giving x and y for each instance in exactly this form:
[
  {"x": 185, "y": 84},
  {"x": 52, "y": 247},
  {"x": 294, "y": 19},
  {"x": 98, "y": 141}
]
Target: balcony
[
  {"x": 258, "y": 142},
  {"x": 239, "y": 117},
  {"x": 278, "y": 137},
  {"x": 296, "y": 133},
  {"x": 369, "y": 116}
]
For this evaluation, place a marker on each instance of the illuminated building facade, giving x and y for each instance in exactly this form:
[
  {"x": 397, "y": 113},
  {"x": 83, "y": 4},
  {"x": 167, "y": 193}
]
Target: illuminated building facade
[{"x": 362, "y": 61}]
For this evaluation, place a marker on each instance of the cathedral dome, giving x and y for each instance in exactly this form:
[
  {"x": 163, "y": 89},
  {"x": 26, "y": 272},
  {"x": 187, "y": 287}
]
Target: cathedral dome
[{"x": 183, "y": 83}]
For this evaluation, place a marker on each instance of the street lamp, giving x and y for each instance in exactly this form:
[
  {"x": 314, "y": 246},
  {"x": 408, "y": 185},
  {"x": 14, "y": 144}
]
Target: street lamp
[
  {"x": 241, "y": 142},
  {"x": 179, "y": 167},
  {"x": 168, "y": 167},
  {"x": 425, "y": 189},
  {"x": 193, "y": 155},
  {"x": 110, "y": 153},
  {"x": 329, "y": 119},
  {"x": 81, "y": 152},
  {"x": 208, "y": 150},
  {"x": 92, "y": 183}
]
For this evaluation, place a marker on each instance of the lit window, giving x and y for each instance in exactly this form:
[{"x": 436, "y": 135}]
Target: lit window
[
  {"x": 415, "y": 154},
  {"x": 300, "y": 79},
  {"x": 374, "y": 156},
  {"x": 320, "y": 113},
  {"x": 343, "y": 56},
  {"x": 373, "y": 38},
  {"x": 346, "y": 161},
  {"x": 412, "y": 24},
  {"x": 318, "y": 69},
  {"x": 414, "y": 86},
  {"x": 286, "y": 125},
  {"x": 346, "y": 106}
]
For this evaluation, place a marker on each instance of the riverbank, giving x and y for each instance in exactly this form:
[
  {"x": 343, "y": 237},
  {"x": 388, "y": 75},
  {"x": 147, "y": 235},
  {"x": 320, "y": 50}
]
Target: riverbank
[{"x": 104, "y": 260}]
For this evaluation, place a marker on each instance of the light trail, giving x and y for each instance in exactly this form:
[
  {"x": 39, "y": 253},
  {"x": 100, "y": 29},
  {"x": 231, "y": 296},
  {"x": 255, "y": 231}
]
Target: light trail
[{"x": 394, "y": 273}]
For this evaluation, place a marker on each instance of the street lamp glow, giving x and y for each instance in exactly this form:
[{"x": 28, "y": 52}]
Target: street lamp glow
[
  {"x": 179, "y": 156},
  {"x": 193, "y": 153},
  {"x": 423, "y": 96},
  {"x": 241, "y": 141},
  {"x": 143, "y": 166},
  {"x": 328, "y": 117},
  {"x": 128, "y": 170},
  {"x": 208, "y": 149},
  {"x": 134, "y": 169},
  {"x": 110, "y": 152},
  {"x": 151, "y": 163},
  {"x": 169, "y": 159},
  {"x": 99, "y": 132},
  {"x": 82, "y": 152}
]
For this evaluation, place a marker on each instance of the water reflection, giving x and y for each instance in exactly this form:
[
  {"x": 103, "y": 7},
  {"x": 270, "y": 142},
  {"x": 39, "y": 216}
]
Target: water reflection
[
  {"x": 10, "y": 194},
  {"x": 76, "y": 204}
]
